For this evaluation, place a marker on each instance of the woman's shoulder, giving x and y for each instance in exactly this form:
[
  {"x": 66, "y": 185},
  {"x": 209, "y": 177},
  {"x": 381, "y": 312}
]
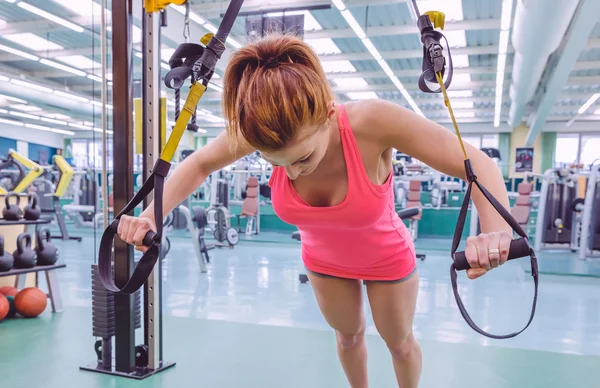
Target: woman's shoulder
[{"x": 369, "y": 118}]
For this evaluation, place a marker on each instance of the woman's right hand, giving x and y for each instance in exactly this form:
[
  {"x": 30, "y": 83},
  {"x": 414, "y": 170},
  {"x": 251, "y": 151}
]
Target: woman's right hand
[{"x": 133, "y": 229}]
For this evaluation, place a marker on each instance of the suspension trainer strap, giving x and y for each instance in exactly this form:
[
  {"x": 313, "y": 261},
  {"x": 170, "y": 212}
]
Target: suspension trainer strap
[
  {"x": 434, "y": 68},
  {"x": 201, "y": 71}
]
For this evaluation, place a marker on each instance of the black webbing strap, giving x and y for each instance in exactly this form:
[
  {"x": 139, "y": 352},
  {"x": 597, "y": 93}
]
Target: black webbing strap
[
  {"x": 433, "y": 56},
  {"x": 145, "y": 265},
  {"x": 472, "y": 179}
]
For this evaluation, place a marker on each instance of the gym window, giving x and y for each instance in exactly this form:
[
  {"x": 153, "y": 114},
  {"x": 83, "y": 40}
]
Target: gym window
[{"x": 576, "y": 148}]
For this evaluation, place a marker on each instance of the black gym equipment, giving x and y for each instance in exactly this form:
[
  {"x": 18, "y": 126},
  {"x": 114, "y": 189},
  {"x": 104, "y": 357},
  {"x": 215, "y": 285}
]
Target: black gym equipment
[
  {"x": 434, "y": 68},
  {"x": 12, "y": 212},
  {"x": 6, "y": 259},
  {"x": 32, "y": 210},
  {"x": 10, "y": 180},
  {"x": 47, "y": 253},
  {"x": 403, "y": 214},
  {"x": 24, "y": 256},
  {"x": 590, "y": 223}
]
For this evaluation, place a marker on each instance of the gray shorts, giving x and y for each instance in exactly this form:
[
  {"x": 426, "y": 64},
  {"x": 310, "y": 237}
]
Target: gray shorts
[{"x": 405, "y": 278}]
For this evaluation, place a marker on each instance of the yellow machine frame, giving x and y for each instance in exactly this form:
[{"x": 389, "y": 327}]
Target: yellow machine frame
[
  {"x": 65, "y": 176},
  {"x": 35, "y": 170}
]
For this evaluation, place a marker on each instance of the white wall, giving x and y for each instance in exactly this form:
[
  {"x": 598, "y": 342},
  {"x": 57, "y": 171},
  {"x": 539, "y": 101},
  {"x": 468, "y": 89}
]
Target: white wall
[{"x": 29, "y": 135}]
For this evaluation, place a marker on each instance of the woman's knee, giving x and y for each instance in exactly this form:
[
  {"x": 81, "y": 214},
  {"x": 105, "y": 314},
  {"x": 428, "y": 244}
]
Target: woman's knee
[
  {"x": 349, "y": 340},
  {"x": 403, "y": 348}
]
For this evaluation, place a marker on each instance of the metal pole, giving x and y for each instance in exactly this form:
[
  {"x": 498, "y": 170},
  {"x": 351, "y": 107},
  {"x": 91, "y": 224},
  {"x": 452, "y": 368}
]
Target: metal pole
[
  {"x": 151, "y": 143},
  {"x": 106, "y": 342},
  {"x": 123, "y": 178},
  {"x": 541, "y": 211}
]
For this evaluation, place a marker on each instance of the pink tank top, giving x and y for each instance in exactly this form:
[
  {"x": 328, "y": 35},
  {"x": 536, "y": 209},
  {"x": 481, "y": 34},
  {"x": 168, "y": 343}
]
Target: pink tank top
[{"x": 360, "y": 238}]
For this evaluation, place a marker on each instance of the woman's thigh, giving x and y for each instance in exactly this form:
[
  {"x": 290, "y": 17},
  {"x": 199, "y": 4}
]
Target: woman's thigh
[
  {"x": 340, "y": 301},
  {"x": 393, "y": 307}
]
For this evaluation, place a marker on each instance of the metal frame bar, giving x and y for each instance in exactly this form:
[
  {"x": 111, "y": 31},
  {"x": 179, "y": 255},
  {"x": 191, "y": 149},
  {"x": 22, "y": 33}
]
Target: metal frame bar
[
  {"x": 151, "y": 149},
  {"x": 122, "y": 21}
]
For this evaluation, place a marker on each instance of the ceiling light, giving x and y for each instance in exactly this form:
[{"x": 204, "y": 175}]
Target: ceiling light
[
  {"x": 3, "y": 111},
  {"x": 100, "y": 130},
  {"x": 20, "y": 124},
  {"x": 323, "y": 46},
  {"x": 60, "y": 122},
  {"x": 369, "y": 45},
  {"x": 456, "y": 38},
  {"x": 139, "y": 55},
  {"x": 26, "y": 108},
  {"x": 362, "y": 95},
  {"x": 209, "y": 27},
  {"x": 14, "y": 99},
  {"x": 338, "y": 67},
  {"x": 62, "y": 131},
  {"x": 234, "y": 43},
  {"x": 457, "y": 104},
  {"x": 71, "y": 96},
  {"x": 166, "y": 53},
  {"x": 505, "y": 19},
  {"x": 83, "y": 7},
  {"x": 136, "y": 34},
  {"x": 58, "y": 116},
  {"x": 350, "y": 82},
  {"x": 40, "y": 127},
  {"x": 353, "y": 24},
  {"x": 597, "y": 112},
  {"x": 94, "y": 78},
  {"x": 98, "y": 103},
  {"x": 80, "y": 61},
  {"x": 215, "y": 87},
  {"x": 33, "y": 41},
  {"x": 460, "y": 93},
  {"x": 589, "y": 103},
  {"x": 50, "y": 16},
  {"x": 80, "y": 126},
  {"x": 18, "y": 52},
  {"x": 386, "y": 68},
  {"x": 461, "y": 78},
  {"x": 503, "y": 45},
  {"x": 66, "y": 68},
  {"x": 3, "y": 78},
  {"x": 339, "y": 4},
  {"x": 25, "y": 115},
  {"x": 165, "y": 66},
  {"x": 460, "y": 61}
]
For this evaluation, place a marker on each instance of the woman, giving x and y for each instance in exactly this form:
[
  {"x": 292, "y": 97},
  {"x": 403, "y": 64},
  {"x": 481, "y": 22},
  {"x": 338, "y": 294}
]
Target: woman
[{"x": 332, "y": 178}]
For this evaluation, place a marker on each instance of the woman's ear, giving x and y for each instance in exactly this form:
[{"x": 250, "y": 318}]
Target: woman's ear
[{"x": 331, "y": 110}]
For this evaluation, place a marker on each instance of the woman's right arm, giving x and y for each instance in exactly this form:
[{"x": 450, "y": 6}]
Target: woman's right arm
[{"x": 181, "y": 183}]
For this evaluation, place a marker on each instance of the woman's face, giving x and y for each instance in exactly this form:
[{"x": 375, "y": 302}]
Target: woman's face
[{"x": 304, "y": 155}]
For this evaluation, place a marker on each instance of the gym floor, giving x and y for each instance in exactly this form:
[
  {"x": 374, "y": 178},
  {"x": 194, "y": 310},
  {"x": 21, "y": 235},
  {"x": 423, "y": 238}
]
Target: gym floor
[{"x": 248, "y": 322}]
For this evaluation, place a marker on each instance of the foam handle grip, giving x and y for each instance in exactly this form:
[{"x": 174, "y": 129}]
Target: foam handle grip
[
  {"x": 148, "y": 238},
  {"x": 518, "y": 248}
]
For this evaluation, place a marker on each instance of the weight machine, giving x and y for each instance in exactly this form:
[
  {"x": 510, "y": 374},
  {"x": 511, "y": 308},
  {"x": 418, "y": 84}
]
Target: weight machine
[
  {"x": 117, "y": 279},
  {"x": 590, "y": 224}
]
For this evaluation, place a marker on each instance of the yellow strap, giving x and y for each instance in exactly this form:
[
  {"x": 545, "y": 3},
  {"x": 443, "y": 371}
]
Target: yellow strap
[
  {"x": 66, "y": 174},
  {"x": 196, "y": 92},
  {"x": 440, "y": 80},
  {"x": 3, "y": 191}
]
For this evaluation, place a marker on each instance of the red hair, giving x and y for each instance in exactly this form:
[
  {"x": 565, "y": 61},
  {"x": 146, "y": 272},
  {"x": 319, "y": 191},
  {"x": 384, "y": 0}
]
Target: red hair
[{"x": 272, "y": 87}]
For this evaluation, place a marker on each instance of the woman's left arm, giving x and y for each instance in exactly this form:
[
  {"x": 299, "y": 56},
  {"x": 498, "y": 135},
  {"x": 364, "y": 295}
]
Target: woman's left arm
[{"x": 439, "y": 148}]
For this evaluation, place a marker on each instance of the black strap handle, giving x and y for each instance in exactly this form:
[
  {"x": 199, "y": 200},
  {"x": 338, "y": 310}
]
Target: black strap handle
[
  {"x": 518, "y": 248},
  {"x": 144, "y": 267},
  {"x": 433, "y": 56},
  {"x": 204, "y": 67}
]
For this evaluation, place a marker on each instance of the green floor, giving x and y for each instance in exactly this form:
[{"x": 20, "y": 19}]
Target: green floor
[{"x": 47, "y": 353}]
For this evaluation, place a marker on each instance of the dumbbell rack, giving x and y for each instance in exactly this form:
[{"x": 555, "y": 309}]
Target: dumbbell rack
[{"x": 50, "y": 270}]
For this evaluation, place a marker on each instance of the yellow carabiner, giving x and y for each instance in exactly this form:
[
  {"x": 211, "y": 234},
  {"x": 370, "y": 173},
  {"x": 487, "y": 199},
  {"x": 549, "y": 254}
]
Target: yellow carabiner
[{"x": 437, "y": 18}]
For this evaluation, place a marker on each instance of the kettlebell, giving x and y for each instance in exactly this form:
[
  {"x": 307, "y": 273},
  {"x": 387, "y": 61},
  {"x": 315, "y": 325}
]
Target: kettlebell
[
  {"x": 11, "y": 212},
  {"x": 32, "y": 210},
  {"x": 47, "y": 253},
  {"x": 24, "y": 255},
  {"x": 6, "y": 259}
]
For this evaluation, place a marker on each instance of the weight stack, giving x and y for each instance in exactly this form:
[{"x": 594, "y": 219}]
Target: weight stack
[{"x": 103, "y": 308}]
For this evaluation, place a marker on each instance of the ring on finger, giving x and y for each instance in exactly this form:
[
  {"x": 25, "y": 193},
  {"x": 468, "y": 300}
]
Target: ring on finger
[
  {"x": 494, "y": 256},
  {"x": 493, "y": 251}
]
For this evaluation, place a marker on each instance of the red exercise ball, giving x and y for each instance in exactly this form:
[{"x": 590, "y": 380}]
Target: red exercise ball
[
  {"x": 31, "y": 302},
  {"x": 9, "y": 291},
  {"x": 4, "y": 307}
]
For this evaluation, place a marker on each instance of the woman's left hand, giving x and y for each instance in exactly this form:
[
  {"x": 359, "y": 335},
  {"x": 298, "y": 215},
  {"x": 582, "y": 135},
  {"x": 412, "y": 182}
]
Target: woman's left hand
[{"x": 486, "y": 251}]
